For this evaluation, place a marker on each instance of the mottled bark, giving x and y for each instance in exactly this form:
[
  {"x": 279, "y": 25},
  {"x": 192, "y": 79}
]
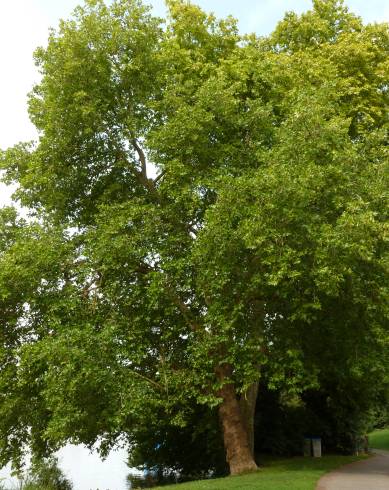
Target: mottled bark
[
  {"x": 238, "y": 453},
  {"x": 247, "y": 405}
]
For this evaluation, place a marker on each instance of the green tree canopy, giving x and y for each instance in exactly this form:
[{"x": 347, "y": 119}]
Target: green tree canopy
[{"x": 261, "y": 239}]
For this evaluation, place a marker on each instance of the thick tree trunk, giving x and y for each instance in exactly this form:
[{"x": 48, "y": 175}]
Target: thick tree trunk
[
  {"x": 247, "y": 404},
  {"x": 239, "y": 455}
]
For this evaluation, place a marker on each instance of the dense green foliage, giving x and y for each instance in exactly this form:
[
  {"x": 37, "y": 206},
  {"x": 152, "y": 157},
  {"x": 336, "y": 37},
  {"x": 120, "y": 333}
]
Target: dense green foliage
[{"x": 260, "y": 246}]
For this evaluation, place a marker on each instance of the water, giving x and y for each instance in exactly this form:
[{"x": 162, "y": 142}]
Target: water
[{"x": 87, "y": 471}]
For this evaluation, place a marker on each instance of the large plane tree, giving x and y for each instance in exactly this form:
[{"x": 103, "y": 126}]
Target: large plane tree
[{"x": 202, "y": 204}]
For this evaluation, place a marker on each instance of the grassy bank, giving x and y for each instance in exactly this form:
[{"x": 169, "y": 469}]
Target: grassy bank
[
  {"x": 379, "y": 439},
  {"x": 285, "y": 474}
]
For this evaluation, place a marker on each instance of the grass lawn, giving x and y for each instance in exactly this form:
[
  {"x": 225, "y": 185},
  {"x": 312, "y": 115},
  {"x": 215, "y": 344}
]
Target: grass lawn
[
  {"x": 283, "y": 474},
  {"x": 379, "y": 439}
]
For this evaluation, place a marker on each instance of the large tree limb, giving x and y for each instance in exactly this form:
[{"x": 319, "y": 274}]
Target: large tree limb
[{"x": 142, "y": 157}]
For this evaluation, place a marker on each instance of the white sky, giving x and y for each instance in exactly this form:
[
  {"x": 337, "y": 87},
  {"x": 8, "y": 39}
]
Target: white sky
[{"x": 24, "y": 26}]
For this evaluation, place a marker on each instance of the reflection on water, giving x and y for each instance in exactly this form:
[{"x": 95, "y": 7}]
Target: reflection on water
[
  {"x": 155, "y": 479},
  {"x": 150, "y": 480}
]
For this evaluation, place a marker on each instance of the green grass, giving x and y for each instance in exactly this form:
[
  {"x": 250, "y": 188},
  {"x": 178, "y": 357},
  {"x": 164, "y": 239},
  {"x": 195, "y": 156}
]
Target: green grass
[
  {"x": 379, "y": 439},
  {"x": 283, "y": 474}
]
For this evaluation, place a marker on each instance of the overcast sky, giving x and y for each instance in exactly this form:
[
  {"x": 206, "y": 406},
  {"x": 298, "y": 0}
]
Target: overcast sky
[{"x": 24, "y": 25}]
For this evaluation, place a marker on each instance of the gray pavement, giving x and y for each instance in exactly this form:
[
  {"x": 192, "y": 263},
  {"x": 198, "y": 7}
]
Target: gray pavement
[{"x": 371, "y": 474}]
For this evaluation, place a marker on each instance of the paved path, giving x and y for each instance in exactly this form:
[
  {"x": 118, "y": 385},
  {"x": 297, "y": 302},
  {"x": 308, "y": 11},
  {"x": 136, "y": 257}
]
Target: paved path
[{"x": 371, "y": 474}]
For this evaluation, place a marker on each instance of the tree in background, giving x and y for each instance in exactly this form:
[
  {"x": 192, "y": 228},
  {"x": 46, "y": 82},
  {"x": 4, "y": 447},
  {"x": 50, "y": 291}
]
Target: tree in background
[
  {"x": 42, "y": 475},
  {"x": 261, "y": 240},
  {"x": 45, "y": 475}
]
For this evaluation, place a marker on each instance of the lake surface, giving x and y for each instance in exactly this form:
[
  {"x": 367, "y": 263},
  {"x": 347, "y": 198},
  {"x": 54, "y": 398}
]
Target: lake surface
[{"x": 87, "y": 471}]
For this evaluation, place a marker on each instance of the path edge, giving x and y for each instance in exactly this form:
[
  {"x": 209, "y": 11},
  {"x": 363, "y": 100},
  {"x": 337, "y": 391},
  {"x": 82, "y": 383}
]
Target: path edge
[{"x": 370, "y": 455}]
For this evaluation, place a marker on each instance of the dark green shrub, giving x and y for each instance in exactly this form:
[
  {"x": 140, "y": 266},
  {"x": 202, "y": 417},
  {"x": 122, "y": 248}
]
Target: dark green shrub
[
  {"x": 340, "y": 415},
  {"x": 193, "y": 451}
]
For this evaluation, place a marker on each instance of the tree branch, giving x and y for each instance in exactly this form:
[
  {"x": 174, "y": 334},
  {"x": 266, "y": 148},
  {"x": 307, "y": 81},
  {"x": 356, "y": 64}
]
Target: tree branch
[
  {"x": 142, "y": 158},
  {"x": 149, "y": 184},
  {"x": 145, "y": 378},
  {"x": 159, "y": 177},
  {"x": 186, "y": 313}
]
